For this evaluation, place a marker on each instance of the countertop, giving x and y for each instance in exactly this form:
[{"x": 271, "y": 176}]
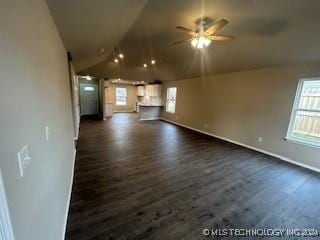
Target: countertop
[{"x": 149, "y": 105}]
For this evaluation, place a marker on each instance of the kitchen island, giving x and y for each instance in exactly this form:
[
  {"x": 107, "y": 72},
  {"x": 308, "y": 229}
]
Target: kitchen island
[{"x": 149, "y": 111}]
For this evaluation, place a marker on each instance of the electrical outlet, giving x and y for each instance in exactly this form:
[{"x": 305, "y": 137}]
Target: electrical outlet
[
  {"x": 23, "y": 159},
  {"x": 260, "y": 139},
  {"x": 176, "y": 117},
  {"x": 205, "y": 125},
  {"x": 47, "y": 130}
]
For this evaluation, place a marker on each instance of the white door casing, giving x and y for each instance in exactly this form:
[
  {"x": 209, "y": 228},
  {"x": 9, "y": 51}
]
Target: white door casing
[{"x": 6, "y": 232}]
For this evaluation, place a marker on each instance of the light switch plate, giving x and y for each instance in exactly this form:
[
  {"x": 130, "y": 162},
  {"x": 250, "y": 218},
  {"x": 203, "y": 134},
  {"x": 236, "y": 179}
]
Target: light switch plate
[{"x": 23, "y": 159}]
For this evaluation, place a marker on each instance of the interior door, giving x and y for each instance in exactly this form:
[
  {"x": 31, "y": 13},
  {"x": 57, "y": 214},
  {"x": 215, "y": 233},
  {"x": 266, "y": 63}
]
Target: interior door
[{"x": 89, "y": 99}]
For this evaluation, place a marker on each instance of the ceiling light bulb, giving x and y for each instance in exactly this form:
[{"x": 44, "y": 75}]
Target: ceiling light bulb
[
  {"x": 119, "y": 79},
  {"x": 88, "y": 77},
  {"x": 116, "y": 60},
  {"x": 194, "y": 42},
  {"x": 121, "y": 56},
  {"x": 200, "y": 42},
  {"x": 145, "y": 65},
  {"x": 153, "y": 62}
]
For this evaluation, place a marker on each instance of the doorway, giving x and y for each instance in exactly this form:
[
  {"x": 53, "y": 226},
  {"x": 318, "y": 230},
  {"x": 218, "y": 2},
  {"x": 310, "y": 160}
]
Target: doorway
[{"x": 89, "y": 99}]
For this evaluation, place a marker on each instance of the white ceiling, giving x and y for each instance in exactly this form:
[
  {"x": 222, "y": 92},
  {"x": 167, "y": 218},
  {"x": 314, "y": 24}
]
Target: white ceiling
[
  {"x": 88, "y": 25},
  {"x": 268, "y": 33}
]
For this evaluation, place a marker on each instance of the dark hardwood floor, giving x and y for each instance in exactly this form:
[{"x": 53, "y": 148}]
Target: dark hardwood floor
[{"x": 153, "y": 180}]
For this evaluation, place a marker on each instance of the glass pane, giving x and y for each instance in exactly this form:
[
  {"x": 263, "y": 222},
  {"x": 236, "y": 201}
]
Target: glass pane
[
  {"x": 121, "y": 96},
  {"x": 307, "y": 126},
  {"x": 88, "y": 88},
  {"x": 310, "y": 95},
  {"x": 172, "y": 94},
  {"x": 171, "y": 99}
]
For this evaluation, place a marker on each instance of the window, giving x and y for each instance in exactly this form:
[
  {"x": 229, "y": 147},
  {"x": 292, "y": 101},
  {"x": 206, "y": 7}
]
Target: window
[
  {"x": 171, "y": 99},
  {"x": 121, "y": 96},
  {"x": 304, "y": 125},
  {"x": 89, "y": 89}
]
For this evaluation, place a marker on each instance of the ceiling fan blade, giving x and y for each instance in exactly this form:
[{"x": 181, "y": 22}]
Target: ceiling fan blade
[
  {"x": 182, "y": 41},
  {"x": 216, "y": 26},
  {"x": 185, "y": 29},
  {"x": 220, "y": 37}
]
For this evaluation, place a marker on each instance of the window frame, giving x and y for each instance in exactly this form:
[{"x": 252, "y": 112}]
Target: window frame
[
  {"x": 295, "y": 108},
  {"x": 175, "y": 103},
  {"x": 126, "y": 96}
]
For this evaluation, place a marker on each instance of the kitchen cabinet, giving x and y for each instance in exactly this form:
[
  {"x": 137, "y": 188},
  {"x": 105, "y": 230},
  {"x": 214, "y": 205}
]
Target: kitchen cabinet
[
  {"x": 148, "y": 91},
  {"x": 108, "y": 109},
  {"x": 157, "y": 90},
  {"x": 153, "y": 90},
  {"x": 140, "y": 91}
]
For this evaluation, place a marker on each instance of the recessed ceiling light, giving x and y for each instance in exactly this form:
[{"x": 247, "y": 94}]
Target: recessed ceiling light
[
  {"x": 142, "y": 81},
  {"x": 101, "y": 50},
  {"x": 145, "y": 65},
  {"x": 121, "y": 56},
  {"x": 116, "y": 60},
  {"x": 153, "y": 62}
]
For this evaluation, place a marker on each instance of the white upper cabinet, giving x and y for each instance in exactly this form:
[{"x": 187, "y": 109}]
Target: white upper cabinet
[
  {"x": 140, "y": 91},
  {"x": 148, "y": 89},
  {"x": 153, "y": 90},
  {"x": 157, "y": 90}
]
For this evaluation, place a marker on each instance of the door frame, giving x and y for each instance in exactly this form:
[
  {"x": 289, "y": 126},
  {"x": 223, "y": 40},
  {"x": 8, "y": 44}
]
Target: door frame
[
  {"x": 6, "y": 232},
  {"x": 96, "y": 84}
]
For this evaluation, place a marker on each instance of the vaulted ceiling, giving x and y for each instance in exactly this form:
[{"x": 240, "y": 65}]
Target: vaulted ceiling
[
  {"x": 88, "y": 25},
  {"x": 267, "y": 33}
]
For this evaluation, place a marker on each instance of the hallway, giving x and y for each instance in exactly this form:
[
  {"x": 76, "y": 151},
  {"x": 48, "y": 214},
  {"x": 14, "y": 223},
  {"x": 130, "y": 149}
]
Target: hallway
[{"x": 154, "y": 180}]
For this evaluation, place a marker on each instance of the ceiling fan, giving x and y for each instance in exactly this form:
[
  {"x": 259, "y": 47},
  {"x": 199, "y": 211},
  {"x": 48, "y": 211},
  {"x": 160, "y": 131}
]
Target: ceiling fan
[{"x": 204, "y": 34}]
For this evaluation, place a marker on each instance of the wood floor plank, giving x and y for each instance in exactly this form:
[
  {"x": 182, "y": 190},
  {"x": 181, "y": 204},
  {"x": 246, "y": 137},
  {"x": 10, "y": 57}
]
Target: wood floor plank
[{"x": 154, "y": 180}]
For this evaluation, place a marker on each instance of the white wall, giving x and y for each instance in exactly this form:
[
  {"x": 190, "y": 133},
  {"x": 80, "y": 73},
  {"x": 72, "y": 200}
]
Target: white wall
[
  {"x": 110, "y": 97},
  {"x": 34, "y": 93},
  {"x": 243, "y": 106}
]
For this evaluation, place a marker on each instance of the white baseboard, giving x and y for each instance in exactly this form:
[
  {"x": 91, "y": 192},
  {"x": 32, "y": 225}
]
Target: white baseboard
[
  {"x": 149, "y": 119},
  {"x": 245, "y": 145},
  {"x": 69, "y": 197},
  {"x": 124, "y": 111}
]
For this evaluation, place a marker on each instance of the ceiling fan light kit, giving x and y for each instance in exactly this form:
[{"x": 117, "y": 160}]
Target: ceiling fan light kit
[
  {"x": 200, "y": 42},
  {"x": 204, "y": 34}
]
